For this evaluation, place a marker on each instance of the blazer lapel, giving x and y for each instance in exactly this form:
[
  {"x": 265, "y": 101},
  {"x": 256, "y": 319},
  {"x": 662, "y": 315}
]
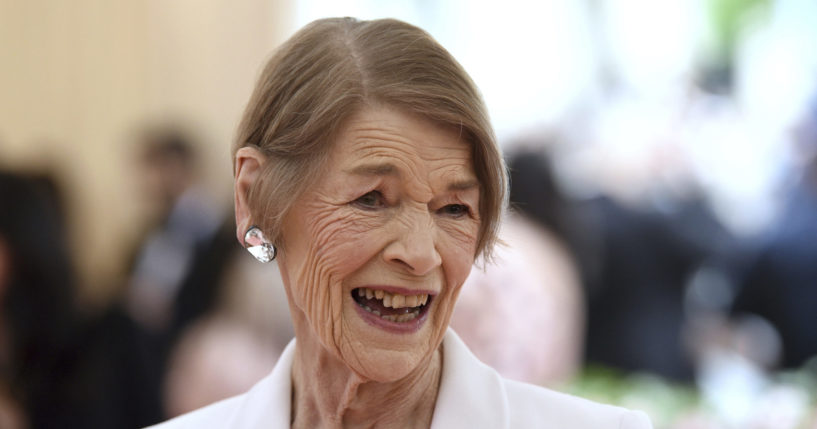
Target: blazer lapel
[{"x": 472, "y": 395}]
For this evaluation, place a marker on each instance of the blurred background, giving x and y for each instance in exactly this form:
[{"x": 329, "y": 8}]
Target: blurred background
[{"x": 662, "y": 246}]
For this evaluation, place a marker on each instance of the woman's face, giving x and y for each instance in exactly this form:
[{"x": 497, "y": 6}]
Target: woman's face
[{"x": 376, "y": 252}]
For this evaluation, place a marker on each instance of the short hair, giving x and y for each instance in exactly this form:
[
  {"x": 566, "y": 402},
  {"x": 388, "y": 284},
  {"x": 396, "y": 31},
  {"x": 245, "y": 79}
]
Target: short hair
[{"x": 333, "y": 68}]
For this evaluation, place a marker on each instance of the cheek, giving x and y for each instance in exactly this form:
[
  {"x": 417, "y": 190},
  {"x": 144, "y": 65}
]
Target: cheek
[
  {"x": 341, "y": 240},
  {"x": 458, "y": 259},
  {"x": 457, "y": 267},
  {"x": 459, "y": 250},
  {"x": 329, "y": 244}
]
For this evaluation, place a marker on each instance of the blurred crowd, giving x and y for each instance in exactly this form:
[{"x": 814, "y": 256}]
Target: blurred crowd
[
  {"x": 627, "y": 273},
  {"x": 194, "y": 323},
  {"x": 601, "y": 282}
]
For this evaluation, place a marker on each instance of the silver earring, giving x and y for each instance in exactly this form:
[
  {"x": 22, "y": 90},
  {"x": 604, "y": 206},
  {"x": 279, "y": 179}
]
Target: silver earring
[{"x": 258, "y": 245}]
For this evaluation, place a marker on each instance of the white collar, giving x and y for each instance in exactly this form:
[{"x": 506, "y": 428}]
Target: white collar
[{"x": 472, "y": 394}]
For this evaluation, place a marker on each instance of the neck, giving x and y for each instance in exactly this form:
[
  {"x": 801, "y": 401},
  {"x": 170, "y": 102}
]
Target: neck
[{"x": 326, "y": 394}]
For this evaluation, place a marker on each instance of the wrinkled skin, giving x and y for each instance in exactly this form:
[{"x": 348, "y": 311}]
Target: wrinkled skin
[{"x": 396, "y": 205}]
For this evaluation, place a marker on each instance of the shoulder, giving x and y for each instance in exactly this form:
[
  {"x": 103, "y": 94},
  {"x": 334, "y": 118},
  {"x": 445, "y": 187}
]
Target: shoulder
[
  {"x": 216, "y": 415},
  {"x": 534, "y": 406},
  {"x": 474, "y": 395}
]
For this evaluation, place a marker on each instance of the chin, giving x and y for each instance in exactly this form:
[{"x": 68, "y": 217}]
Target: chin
[
  {"x": 384, "y": 366},
  {"x": 386, "y": 352}
]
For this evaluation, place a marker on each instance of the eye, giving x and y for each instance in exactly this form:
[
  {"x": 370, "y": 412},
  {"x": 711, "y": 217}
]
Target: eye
[
  {"x": 370, "y": 200},
  {"x": 455, "y": 210}
]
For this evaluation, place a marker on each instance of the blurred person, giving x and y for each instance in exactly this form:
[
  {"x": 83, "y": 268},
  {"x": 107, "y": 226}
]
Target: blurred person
[
  {"x": 218, "y": 357},
  {"x": 219, "y": 307},
  {"x": 535, "y": 192},
  {"x": 634, "y": 265},
  {"x": 538, "y": 259},
  {"x": 365, "y": 163},
  {"x": 178, "y": 237},
  {"x": 58, "y": 367},
  {"x": 231, "y": 324},
  {"x": 183, "y": 217},
  {"x": 11, "y": 416},
  {"x": 38, "y": 321},
  {"x": 780, "y": 282},
  {"x": 532, "y": 269},
  {"x": 636, "y": 312}
]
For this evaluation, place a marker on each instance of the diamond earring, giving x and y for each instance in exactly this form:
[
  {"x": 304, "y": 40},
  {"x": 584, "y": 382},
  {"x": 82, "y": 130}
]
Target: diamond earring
[{"x": 258, "y": 245}]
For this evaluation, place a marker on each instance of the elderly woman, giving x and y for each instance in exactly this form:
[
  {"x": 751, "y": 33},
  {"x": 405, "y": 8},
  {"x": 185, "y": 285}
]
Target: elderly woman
[{"x": 366, "y": 163}]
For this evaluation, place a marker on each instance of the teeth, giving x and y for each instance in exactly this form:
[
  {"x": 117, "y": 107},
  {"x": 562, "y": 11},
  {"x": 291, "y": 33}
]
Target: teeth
[
  {"x": 398, "y": 319},
  {"x": 411, "y": 301},
  {"x": 393, "y": 300}
]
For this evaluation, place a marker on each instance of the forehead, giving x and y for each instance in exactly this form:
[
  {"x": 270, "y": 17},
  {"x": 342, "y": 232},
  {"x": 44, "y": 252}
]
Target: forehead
[{"x": 389, "y": 139}]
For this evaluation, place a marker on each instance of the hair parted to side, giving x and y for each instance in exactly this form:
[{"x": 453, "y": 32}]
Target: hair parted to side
[{"x": 331, "y": 69}]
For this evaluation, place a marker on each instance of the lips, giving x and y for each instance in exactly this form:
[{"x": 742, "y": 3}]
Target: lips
[{"x": 391, "y": 306}]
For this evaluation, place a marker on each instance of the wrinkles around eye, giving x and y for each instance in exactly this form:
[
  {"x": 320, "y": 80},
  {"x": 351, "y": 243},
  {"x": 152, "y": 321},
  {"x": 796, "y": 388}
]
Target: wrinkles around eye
[
  {"x": 370, "y": 201},
  {"x": 374, "y": 200},
  {"x": 455, "y": 210}
]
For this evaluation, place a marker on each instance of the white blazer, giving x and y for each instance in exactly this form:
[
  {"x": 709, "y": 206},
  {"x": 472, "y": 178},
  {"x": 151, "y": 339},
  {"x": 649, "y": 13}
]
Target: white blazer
[{"x": 472, "y": 395}]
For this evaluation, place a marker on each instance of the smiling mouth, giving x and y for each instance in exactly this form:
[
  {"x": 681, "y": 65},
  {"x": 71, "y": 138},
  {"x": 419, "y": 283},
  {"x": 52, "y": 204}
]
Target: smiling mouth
[{"x": 391, "y": 306}]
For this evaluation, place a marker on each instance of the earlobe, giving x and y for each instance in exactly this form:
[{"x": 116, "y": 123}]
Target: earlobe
[{"x": 249, "y": 162}]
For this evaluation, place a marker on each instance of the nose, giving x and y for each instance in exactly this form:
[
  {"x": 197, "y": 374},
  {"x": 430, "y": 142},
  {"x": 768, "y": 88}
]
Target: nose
[{"x": 414, "y": 248}]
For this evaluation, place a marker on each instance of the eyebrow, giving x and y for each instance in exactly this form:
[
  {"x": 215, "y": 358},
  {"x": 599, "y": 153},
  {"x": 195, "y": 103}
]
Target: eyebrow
[
  {"x": 463, "y": 185},
  {"x": 388, "y": 169},
  {"x": 384, "y": 169}
]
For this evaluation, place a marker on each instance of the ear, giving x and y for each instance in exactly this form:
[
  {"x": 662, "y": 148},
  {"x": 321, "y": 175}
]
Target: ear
[{"x": 248, "y": 165}]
